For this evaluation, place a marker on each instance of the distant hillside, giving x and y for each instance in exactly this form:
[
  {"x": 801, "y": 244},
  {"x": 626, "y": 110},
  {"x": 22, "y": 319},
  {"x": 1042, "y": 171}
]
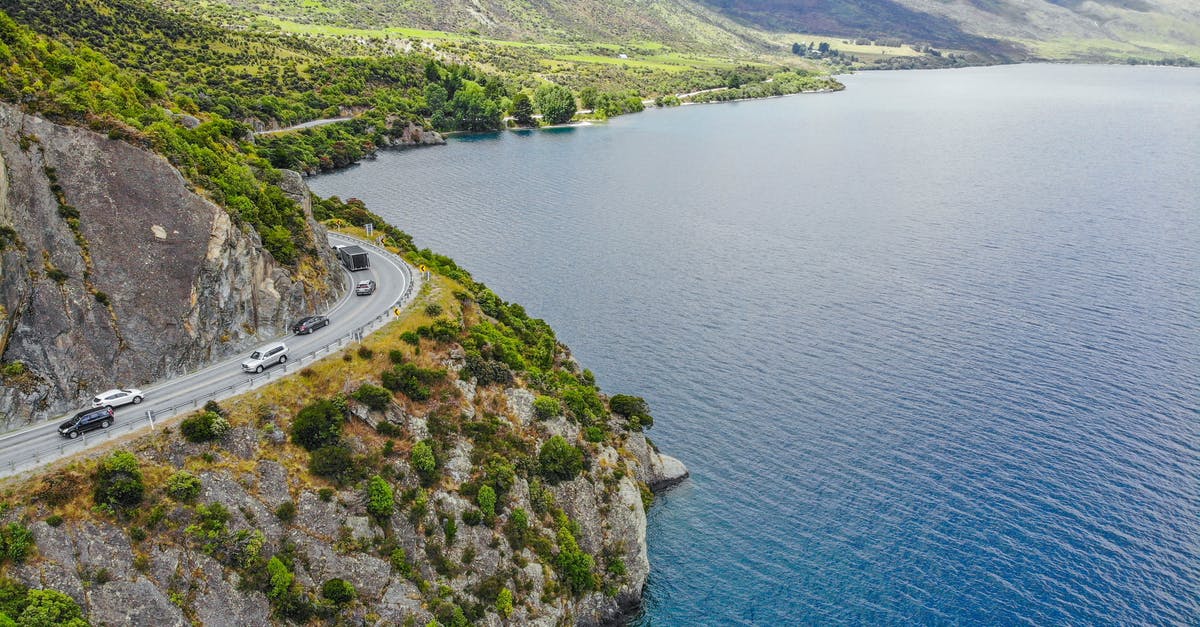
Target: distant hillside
[
  {"x": 1104, "y": 30},
  {"x": 1055, "y": 29}
]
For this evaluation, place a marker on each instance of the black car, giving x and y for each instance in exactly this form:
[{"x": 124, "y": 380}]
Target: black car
[
  {"x": 309, "y": 324},
  {"x": 85, "y": 421}
]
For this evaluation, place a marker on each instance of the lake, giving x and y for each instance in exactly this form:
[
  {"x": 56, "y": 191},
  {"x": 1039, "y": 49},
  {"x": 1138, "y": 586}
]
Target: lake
[{"x": 930, "y": 346}]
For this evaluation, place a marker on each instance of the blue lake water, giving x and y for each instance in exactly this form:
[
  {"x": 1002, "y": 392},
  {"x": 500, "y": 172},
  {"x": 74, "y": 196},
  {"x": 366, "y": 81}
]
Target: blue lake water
[{"x": 930, "y": 346}]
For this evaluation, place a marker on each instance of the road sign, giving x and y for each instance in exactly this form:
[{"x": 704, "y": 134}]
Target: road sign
[
  {"x": 423, "y": 268},
  {"x": 370, "y": 228}
]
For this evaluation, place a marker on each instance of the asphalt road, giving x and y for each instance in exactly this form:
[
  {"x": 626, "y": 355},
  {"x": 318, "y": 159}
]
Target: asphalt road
[{"x": 349, "y": 320}]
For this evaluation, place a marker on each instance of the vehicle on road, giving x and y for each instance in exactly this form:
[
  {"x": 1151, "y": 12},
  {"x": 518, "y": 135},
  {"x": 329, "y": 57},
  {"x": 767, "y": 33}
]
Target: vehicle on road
[
  {"x": 86, "y": 420},
  {"x": 354, "y": 258},
  {"x": 364, "y": 288},
  {"x": 308, "y": 324},
  {"x": 117, "y": 397},
  {"x": 265, "y": 357}
]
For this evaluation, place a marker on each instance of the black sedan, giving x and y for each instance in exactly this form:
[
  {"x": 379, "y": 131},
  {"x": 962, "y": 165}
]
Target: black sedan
[{"x": 309, "y": 324}]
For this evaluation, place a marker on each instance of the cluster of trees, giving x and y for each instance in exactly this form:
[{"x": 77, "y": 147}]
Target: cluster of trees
[{"x": 782, "y": 83}]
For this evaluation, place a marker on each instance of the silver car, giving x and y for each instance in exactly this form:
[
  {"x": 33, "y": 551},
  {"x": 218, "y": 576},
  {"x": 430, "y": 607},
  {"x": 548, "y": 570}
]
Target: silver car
[{"x": 117, "y": 397}]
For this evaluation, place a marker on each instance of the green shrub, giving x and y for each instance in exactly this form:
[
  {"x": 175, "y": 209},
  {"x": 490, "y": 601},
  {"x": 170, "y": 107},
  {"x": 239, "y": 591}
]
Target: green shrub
[
  {"x": 558, "y": 460},
  {"x": 203, "y": 427},
  {"x": 396, "y": 356},
  {"x": 487, "y": 502},
  {"x": 51, "y": 608},
  {"x": 423, "y": 461},
  {"x": 546, "y": 407},
  {"x": 575, "y": 567},
  {"x": 215, "y": 408},
  {"x": 472, "y": 517},
  {"x": 487, "y": 371},
  {"x": 14, "y": 369},
  {"x": 119, "y": 481},
  {"x": 183, "y": 486},
  {"x": 339, "y": 591},
  {"x": 286, "y": 512},
  {"x": 373, "y": 396},
  {"x": 389, "y": 429},
  {"x": 399, "y": 559},
  {"x": 433, "y": 310},
  {"x": 318, "y": 425},
  {"x": 504, "y": 603},
  {"x": 411, "y": 338},
  {"x": 594, "y": 434},
  {"x": 412, "y": 380},
  {"x": 634, "y": 409},
  {"x": 517, "y": 529},
  {"x": 137, "y": 534},
  {"x": 54, "y": 520},
  {"x": 381, "y": 501},
  {"x": 281, "y": 578},
  {"x": 365, "y": 353},
  {"x": 333, "y": 462},
  {"x": 450, "y": 528},
  {"x": 14, "y": 597},
  {"x": 16, "y": 542},
  {"x": 325, "y": 494}
]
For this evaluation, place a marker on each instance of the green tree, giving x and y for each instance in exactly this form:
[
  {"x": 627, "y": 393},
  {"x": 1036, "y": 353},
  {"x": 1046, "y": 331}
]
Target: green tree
[
  {"x": 318, "y": 425},
  {"x": 504, "y": 602},
  {"x": 183, "y": 486},
  {"x": 51, "y": 608},
  {"x": 546, "y": 407},
  {"x": 522, "y": 109},
  {"x": 373, "y": 396},
  {"x": 381, "y": 500},
  {"x": 423, "y": 460},
  {"x": 472, "y": 110},
  {"x": 588, "y": 98},
  {"x": 119, "y": 481},
  {"x": 487, "y": 501},
  {"x": 559, "y": 461},
  {"x": 281, "y": 578},
  {"x": 339, "y": 591},
  {"x": 556, "y": 103}
]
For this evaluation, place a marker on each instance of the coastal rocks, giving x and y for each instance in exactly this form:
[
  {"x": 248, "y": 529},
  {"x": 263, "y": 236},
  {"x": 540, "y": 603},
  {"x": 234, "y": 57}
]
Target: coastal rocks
[
  {"x": 653, "y": 468},
  {"x": 151, "y": 280},
  {"x": 411, "y": 135}
]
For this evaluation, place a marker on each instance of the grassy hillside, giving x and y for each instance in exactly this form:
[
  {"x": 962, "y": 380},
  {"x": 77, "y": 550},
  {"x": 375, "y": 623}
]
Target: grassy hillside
[{"x": 1105, "y": 30}]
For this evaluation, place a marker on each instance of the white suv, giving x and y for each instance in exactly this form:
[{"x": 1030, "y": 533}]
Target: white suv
[
  {"x": 265, "y": 357},
  {"x": 117, "y": 397}
]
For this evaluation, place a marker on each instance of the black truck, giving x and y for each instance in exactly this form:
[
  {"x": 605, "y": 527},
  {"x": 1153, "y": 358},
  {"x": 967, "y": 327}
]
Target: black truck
[{"x": 354, "y": 258}]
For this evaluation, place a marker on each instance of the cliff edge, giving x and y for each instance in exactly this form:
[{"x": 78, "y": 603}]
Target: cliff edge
[{"x": 115, "y": 272}]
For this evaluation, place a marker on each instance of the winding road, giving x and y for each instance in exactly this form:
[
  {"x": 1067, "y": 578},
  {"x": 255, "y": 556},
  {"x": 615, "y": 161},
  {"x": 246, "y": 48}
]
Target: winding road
[{"x": 350, "y": 319}]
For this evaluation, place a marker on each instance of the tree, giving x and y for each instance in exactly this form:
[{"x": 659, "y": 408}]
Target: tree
[
  {"x": 51, "y": 608},
  {"x": 559, "y": 461},
  {"x": 588, "y": 98},
  {"x": 523, "y": 110},
  {"x": 381, "y": 500},
  {"x": 339, "y": 591},
  {"x": 546, "y": 407},
  {"x": 317, "y": 425},
  {"x": 556, "y": 103},
  {"x": 119, "y": 481},
  {"x": 487, "y": 502},
  {"x": 183, "y": 486},
  {"x": 423, "y": 460},
  {"x": 472, "y": 110}
]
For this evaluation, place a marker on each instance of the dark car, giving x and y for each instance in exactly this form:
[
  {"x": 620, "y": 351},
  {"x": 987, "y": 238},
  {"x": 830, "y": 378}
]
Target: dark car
[
  {"x": 309, "y": 324},
  {"x": 85, "y": 421}
]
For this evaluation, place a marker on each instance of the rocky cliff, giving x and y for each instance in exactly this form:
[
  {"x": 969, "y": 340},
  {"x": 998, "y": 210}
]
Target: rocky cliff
[
  {"x": 114, "y": 271},
  {"x": 568, "y": 551}
]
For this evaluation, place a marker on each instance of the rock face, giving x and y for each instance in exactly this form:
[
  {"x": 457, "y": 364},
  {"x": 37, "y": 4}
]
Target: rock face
[{"x": 152, "y": 280}]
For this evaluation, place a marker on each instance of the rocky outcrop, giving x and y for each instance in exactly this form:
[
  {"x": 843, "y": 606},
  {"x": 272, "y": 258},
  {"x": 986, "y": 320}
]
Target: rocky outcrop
[
  {"x": 412, "y": 135},
  {"x": 114, "y": 271}
]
